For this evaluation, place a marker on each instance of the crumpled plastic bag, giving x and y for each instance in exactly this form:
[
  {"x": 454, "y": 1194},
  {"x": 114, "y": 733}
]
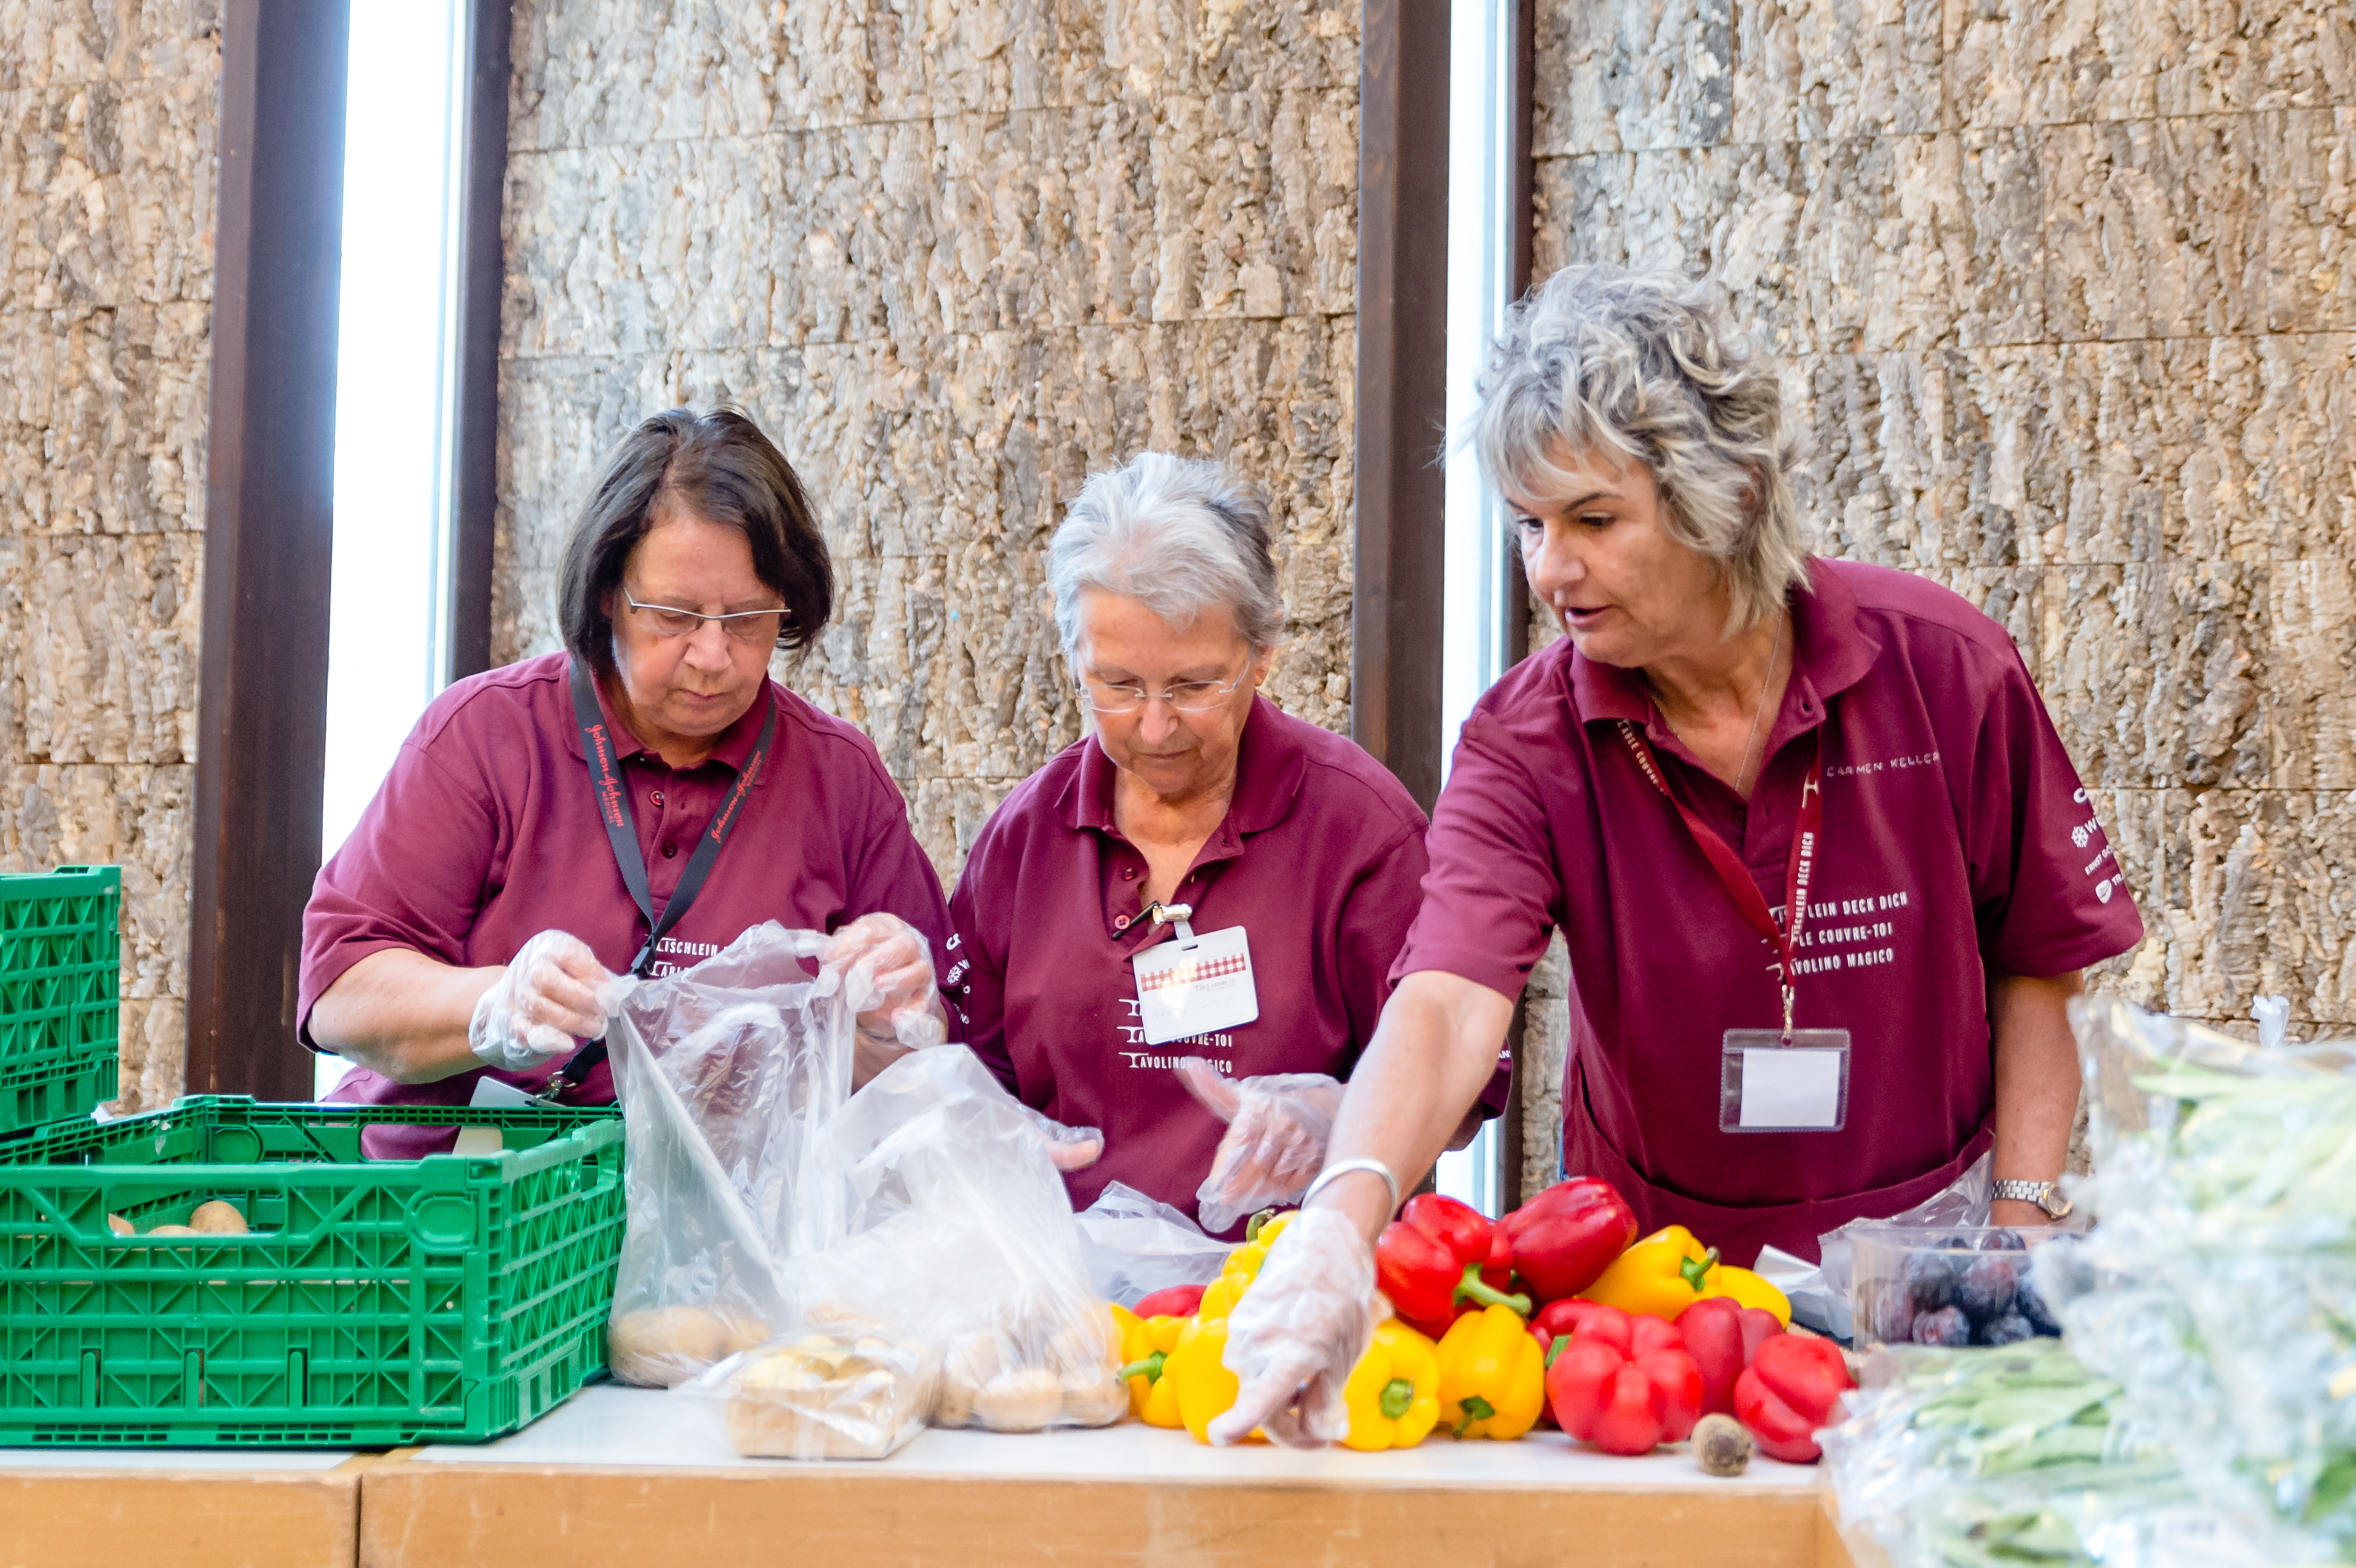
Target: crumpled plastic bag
[
  {"x": 724, "y": 1072},
  {"x": 959, "y": 1236},
  {"x": 1819, "y": 1293},
  {"x": 1137, "y": 1246}
]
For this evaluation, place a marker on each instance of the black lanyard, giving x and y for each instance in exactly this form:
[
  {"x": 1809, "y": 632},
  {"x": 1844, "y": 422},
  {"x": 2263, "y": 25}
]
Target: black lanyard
[{"x": 622, "y": 834}]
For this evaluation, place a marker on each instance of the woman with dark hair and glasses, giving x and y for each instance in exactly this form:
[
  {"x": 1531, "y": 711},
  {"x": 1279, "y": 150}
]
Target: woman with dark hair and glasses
[
  {"x": 632, "y": 803},
  {"x": 1202, "y": 891}
]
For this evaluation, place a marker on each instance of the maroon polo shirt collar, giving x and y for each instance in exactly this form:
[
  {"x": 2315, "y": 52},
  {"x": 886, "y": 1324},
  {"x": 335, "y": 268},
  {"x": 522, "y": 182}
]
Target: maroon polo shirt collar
[
  {"x": 735, "y": 745},
  {"x": 1831, "y": 652},
  {"x": 1270, "y": 765}
]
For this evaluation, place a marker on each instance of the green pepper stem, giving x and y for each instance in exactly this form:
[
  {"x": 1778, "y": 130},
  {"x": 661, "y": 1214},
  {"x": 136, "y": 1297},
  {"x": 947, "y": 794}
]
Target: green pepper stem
[
  {"x": 1398, "y": 1394},
  {"x": 1697, "y": 1270},
  {"x": 1252, "y": 1229},
  {"x": 1487, "y": 1294},
  {"x": 1149, "y": 1369},
  {"x": 1475, "y": 1408}
]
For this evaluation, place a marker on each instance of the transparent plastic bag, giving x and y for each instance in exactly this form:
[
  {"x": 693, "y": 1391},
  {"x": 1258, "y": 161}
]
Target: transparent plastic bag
[
  {"x": 836, "y": 1389},
  {"x": 724, "y": 1073},
  {"x": 1137, "y": 1246},
  {"x": 2219, "y": 1284},
  {"x": 958, "y": 1239}
]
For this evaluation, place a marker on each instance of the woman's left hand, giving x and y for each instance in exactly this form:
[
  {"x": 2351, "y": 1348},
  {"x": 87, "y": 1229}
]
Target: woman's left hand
[{"x": 887, "y": 968}]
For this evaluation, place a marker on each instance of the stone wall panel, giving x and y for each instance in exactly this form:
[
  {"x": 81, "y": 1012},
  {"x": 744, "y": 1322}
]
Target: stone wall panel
[
  {"x": 1819, "y": 69},
  {"x": 102, "y": 418},
  {"x": 2059, "y": 61},
  {"x": 954, "y": 259},
  {"x": 2154, "y": 229},
  {"x": 2063, "y": 294},
  {"x": 2307, "y": 161},
  {"x": 1630, "y": 75},
  {"x": 108, "y": 146},
  {"x": 98, "y": 180}
]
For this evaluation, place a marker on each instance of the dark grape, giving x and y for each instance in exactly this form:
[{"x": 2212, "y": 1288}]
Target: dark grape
[
  {"x": 1930, "y": 1280},
  {"x": 1889, "y": 1312},
  {"x": 2029, "y": 1302},
  {"x": 1947, "y": 1326},
  {"x": 2003, "y": 1241},
  {"x": 2009, "y": 1329},
  {"x": 1985, "y": 1291}
]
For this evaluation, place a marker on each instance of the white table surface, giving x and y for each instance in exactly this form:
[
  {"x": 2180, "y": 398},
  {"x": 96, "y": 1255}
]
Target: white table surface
[
  {"x": 608, "y": 1425},
  {"x": 148, "y": 1458}
]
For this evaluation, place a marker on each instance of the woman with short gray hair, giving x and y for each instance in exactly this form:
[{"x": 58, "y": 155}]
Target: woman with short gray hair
[
  {"x": 1826, "y": 876},
  {"x": 1202, "y": 887}
]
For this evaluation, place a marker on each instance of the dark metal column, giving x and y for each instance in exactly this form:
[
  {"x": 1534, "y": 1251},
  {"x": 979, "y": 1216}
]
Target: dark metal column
[
  {"x": 1402, "y": 393},
  {"x": 268, "y": 529},
  {"x": 482, "y": 268}
]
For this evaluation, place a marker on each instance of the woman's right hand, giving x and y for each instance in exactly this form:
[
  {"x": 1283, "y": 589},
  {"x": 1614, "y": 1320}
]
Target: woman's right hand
[{"x": 547, "y": 1000}]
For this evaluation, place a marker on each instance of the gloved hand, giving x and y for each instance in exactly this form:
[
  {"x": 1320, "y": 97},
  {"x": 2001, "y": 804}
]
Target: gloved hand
[
  {"x": 886, "y": 967},
  {"x": 1275, "y": 1143},
  {"x": 1071, "y": 1148},
  {"x": 553, "y": 995},
  {"x": 1297, "y": 1333}
]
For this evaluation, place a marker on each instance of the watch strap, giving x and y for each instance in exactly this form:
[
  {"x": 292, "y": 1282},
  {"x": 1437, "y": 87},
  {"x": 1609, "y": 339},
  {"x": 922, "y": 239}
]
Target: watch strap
[{"x": 2046, "y": 1195}]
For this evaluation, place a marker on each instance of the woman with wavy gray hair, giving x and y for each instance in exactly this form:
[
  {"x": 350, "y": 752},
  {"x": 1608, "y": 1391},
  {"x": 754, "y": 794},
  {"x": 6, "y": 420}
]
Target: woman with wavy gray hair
[
  {"x": 1202, "y": 886},
  {"x": 1827, "y": 877}
]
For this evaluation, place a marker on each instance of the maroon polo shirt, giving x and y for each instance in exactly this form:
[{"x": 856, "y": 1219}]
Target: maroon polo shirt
[
  {"x": 1957, "y": 844},
  {"x": 486, "y": 832},
  {"x": 1318, "y": 859}
]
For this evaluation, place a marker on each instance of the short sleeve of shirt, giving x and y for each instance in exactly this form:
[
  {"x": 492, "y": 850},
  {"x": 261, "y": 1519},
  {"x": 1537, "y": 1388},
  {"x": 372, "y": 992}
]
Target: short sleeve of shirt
[
  {"x": 893, "y": 875},
  {"x": 2047, "y": 891},
  {"x": 373, "y": 896},
  {"x": 1490, "y": 897},
  {"x": 976, "y": 986}
]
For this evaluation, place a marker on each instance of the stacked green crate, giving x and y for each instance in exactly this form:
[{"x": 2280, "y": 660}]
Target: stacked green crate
[
  {"x": 454, "y": 1297},
  {"x": 60, "y": 992}
]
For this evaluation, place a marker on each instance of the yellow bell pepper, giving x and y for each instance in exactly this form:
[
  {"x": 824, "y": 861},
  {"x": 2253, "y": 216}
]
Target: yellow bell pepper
[
  {"x": 1393, "y": 1394},
  {"x": 1492, "y": 1375},
  {"x": 1668, "y": 1271},
  {"x": 1205, "y": 1389},
  {"x": 1145, "y": 1347}
]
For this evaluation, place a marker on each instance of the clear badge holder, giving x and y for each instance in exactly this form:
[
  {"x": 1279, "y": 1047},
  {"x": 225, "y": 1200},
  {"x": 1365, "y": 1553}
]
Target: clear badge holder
[{"x": 1783, "y": 1081}]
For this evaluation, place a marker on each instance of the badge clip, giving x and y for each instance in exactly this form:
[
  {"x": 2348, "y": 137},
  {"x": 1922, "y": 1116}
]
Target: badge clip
[{"x": 1175, "y": 914}]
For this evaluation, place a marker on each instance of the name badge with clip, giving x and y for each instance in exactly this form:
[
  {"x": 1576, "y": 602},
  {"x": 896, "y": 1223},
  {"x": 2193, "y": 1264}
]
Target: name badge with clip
[{"x": 1195, "y": 985}]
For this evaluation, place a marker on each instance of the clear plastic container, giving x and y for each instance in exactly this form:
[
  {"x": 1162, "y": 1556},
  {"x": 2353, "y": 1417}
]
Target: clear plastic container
[{"x": 1949, "y": 1285}]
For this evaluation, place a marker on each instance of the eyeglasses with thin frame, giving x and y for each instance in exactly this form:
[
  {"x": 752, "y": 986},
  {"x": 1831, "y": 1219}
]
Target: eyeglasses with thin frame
[
  {"x": 1183, "y": 696},
  {"x": 741, "y": 626}
]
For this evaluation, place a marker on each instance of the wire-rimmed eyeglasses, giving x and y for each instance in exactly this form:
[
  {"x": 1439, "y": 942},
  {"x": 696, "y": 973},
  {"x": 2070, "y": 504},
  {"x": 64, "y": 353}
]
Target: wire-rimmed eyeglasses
[{"x": 741, "y": 626}]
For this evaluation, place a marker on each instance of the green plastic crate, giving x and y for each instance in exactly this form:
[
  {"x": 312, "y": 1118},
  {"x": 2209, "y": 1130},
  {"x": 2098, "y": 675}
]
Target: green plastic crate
[
  {"x": 451, "y": 1299},
  {"x": 61, "y": 990}
]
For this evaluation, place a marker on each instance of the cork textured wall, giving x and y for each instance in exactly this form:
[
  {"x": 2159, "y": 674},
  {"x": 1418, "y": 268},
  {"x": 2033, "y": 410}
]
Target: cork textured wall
[
  {"x": 108, "y": 110},
  {"x": 954, "y": 259},
  {"x": 2067, "y": 293}
]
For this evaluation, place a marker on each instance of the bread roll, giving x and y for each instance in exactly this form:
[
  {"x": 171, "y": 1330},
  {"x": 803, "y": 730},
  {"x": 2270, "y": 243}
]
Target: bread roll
[
  {"x": 823, "y": 1397},
  {"x": 663, "y": 1346}
]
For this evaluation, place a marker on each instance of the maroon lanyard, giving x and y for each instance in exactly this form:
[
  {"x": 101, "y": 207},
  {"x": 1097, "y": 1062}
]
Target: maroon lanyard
[{"x": 1735, "y": 875}]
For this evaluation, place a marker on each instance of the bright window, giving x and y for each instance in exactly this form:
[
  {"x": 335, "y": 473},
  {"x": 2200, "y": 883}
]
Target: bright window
[
  {"x": 1476, "y": 628},
  {"x": 386, "y": 639}
]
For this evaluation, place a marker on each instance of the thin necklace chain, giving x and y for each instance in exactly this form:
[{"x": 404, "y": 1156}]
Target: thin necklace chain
[{"x": 1758, "y": 712}]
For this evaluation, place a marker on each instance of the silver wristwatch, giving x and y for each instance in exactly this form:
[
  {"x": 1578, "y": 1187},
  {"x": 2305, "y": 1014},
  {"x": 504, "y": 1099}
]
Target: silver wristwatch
[{"x": 2046, "y": 1195}]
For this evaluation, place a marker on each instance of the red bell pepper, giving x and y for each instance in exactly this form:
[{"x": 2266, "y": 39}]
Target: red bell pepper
[
  {"x": 1425, "y": 1278},
  {"x": 1562, "y": 1318},
  {"x": 1722, "y": 1336},
  {"x": 1625, "y": 1402},
  {"x": 1464, "y": 1230},
  {"x": 1565, "y": 1238},
  {"x": 1790, "y": 1392},
  {"x": 1176, "y": 1301}
]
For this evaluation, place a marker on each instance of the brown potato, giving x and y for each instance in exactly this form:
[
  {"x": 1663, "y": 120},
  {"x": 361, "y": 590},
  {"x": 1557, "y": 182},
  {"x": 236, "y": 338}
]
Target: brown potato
[{"x": 218, "y": 1217}]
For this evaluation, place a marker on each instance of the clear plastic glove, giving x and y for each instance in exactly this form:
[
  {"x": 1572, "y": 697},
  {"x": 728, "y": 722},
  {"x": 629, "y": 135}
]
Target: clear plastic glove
[
  {"x": 887, "y": 972},
  {"x": 1297, "y": 1333},
  {"x": 1071, "y": 1148},
  {"x": 1275, "y": 1144},
  {"x": 553, "y": 995}
]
